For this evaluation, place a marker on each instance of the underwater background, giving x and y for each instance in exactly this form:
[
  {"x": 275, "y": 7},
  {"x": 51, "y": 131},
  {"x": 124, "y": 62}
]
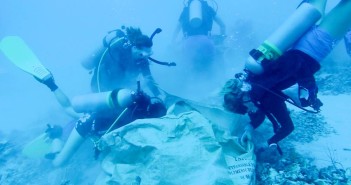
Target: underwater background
[{"x": 63, "y": 33}]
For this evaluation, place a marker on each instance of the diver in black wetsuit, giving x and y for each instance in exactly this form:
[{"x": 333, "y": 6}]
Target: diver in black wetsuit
[{"x": 267, "y": 82}]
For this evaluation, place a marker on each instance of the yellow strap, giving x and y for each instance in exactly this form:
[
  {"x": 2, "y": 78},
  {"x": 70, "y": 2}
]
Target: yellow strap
[{"x": 270, "y": 51}]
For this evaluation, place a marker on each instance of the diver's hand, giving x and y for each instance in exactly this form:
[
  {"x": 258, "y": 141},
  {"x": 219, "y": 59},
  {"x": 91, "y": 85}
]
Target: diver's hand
[
  {"x": 49, "y": 82},
  {"x": 246, "y": 135}
]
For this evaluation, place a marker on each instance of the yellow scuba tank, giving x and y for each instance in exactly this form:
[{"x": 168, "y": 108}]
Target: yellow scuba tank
[
  {"x": 195, "y": 13},
  {"x": 102, "y": 101},
  {"x": 305, "y": 16},
  {"x": 93, "y": 102}
]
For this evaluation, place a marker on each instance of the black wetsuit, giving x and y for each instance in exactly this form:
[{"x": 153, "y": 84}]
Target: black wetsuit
[
  {"x": 291, "y": 68},
  {"x": 97, "y": 123}
]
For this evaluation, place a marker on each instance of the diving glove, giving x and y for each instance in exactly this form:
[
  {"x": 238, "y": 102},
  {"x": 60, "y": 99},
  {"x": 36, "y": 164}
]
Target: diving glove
[
  {"x": 310, "y": 98},
  {"x": 54, "y": 131}
]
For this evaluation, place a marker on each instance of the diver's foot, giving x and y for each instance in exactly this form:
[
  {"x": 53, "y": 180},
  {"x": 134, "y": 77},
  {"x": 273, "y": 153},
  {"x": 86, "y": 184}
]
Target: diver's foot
[
  {"x": 56, "y": 147},
  {"x": 54, "y": 131}
]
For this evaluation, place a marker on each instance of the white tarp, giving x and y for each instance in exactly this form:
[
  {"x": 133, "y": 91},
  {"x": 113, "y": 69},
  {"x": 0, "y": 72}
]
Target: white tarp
[{"x": 183, "y": 147}]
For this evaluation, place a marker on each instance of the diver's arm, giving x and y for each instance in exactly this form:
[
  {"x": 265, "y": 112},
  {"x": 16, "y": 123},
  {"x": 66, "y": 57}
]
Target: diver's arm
[
  {"x": 153, "y": 86},
  {"x": 221, "y": 24},
  {"x": 150, "y": 81}
]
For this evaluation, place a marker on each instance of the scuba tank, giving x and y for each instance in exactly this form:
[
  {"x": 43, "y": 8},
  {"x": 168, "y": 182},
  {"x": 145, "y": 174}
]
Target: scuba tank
[
  {"x": 195, "y": 13},
  {"x": 305, "y": 16},
  {"x": 102, "y": 101},
  {"x": 93, "y": 102}
]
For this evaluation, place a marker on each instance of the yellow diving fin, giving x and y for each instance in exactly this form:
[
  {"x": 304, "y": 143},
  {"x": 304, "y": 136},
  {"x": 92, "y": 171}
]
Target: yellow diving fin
[
  {"x": 38, "y": 147},
  {"x": 18, "y": 52}
]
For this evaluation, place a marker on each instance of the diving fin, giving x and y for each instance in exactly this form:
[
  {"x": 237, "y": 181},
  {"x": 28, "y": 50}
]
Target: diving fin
[
  {"x": 38, "y": 147},
  {"x": 42, "y": 145},
  {"x": 18, "y": 52}
]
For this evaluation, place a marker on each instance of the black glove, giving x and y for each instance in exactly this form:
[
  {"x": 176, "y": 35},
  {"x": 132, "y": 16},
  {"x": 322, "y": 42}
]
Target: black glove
[
  {"x": 312, "y": 100},
  {"x": 316, "y": 104},
  {"x": 141, "y": 98},
  {"x": 140, "y": 105},
  {"x": 49, "y": 82}
]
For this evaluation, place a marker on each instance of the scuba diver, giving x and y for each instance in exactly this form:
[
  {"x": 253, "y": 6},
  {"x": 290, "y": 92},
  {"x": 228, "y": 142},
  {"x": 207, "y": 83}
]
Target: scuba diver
[
  {"x": 197, "y": 18},
  {"x": 100, "y": 113},
  {"x": 196, "y": 23},
  {"x": 112, "y": 104},
  {"x": 282, "y": 70},
  {"x": 122, "y": 60}
]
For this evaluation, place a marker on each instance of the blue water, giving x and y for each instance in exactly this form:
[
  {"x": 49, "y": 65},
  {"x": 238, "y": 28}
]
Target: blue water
[{"x": 63, "y": 33}]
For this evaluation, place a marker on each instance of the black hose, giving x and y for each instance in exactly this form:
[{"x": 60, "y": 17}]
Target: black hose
[
  {"x": 163, "y": 63},
  {"x": 157, "y": 31},
  {"x": 287, "y": 100}
]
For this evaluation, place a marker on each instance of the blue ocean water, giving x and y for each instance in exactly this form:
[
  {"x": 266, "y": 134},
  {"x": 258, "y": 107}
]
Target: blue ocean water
[{"x": 63, "y": 33}]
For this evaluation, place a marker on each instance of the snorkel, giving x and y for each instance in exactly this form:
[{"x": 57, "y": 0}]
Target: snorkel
[{"x": 157, "y": 31}]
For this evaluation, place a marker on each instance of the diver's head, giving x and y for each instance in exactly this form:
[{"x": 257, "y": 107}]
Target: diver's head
[
  {"x": 141, "y": 53},
  {"x": 141, "y": 47},
  {"x": 235, "y": 98},
  {"x": 142, "y": 41}
]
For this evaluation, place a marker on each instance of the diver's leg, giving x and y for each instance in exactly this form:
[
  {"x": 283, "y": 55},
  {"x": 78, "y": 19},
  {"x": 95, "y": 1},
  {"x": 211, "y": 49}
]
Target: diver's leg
[
  {"x": 337, "y": 22},
  {"x": 278, "y": 109},
  {"x": 76, "y": 138}
]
